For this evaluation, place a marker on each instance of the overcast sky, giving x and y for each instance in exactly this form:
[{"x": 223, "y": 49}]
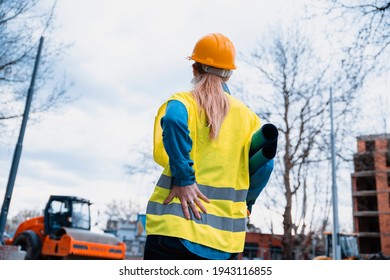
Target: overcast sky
[{"x": 126, "y": 58}]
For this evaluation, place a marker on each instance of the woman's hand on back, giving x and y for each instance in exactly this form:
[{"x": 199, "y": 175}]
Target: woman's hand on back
[{"x": 190, "y": 197}]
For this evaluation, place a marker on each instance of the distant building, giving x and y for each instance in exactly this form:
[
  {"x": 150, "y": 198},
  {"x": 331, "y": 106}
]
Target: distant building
[
  {"x": 371, "y": 194},
  {"x": 261, "y": 246},
  {"x": 132, "y": 233}
]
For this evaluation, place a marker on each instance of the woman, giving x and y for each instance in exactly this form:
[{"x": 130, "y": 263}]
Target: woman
[{"x": 202, "y": 139}]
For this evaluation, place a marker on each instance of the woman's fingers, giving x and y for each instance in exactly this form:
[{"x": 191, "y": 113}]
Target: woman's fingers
[
  {"x": 190, "y": 198},
  {"x": 200, "y": 205},
  {"x": 194, "y": 209},
  {"x": 184, "y": 207},
  {"x": 169, "y": 198},
  {"x": 203, "y": 197}
]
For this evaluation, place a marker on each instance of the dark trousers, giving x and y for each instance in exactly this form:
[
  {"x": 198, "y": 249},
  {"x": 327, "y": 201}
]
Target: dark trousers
[{"x": 159, "y": 247}]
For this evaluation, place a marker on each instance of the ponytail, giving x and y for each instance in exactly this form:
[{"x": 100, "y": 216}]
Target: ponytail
[{"x": 210, "y": 97}]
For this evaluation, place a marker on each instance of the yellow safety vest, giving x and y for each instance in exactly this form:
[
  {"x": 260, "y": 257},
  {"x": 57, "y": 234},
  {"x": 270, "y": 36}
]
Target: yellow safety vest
[{"x": 222, "y": 174}]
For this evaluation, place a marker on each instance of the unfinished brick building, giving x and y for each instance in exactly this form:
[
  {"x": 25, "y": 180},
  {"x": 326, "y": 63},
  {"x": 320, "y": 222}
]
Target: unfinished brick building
[
  {"x": 262, "y": 246},
  {"x": 371, "y": 194}
]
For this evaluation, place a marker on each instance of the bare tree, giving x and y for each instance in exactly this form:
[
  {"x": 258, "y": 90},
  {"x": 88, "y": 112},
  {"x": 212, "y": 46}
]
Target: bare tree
[
  {"x": 142, "y": 168},
  {"x": 20, "y": 217},
  {"x": 144, "y": 164},
  {"x": 121, "y": 210},
  {"x": 365, "y": 26},
  {"x": 22, "y": 23},
  {"x": 298, "y": 81}
]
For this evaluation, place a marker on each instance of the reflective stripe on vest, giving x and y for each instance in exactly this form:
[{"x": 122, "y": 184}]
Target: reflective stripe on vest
[
  {"x": 223, "y": 193},
  {"x": 228, "y": 224},
  {"x": 222, "y": 172}
]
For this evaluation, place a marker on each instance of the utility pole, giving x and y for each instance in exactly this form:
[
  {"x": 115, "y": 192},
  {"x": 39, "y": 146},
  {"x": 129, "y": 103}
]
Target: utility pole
[
  {"x": 335, "y": 234},
  {"x": 18, "y": 149}
]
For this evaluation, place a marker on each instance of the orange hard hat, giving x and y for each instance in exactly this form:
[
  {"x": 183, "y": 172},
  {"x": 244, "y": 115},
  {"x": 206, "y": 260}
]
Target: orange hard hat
[{"x": 215, "y": 50}]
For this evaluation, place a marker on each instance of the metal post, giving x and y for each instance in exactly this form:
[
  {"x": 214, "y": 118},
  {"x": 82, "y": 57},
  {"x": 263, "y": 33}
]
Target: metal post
[
  {"x": 335, "y": 234},
  {"x": 18, "y": 148}
]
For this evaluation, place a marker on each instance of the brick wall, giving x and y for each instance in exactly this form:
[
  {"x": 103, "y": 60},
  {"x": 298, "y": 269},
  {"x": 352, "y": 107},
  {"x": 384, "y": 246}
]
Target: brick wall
[{"x": 371, "y": 193}]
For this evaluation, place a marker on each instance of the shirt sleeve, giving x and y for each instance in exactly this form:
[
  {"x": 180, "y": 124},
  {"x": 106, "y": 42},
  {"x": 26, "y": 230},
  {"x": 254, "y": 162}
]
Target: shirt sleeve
[
  {"x": 178, "y": 143},
  {"x": 258, "y": 181}
]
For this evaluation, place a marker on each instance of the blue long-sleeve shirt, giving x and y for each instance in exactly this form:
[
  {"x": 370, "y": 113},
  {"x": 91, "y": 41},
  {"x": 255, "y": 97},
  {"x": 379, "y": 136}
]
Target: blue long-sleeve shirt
[{"x": 178, "y": 144}]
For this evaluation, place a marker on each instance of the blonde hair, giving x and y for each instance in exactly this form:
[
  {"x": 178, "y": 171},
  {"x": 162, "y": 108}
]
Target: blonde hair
[{"x": 210, "y": 97}]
